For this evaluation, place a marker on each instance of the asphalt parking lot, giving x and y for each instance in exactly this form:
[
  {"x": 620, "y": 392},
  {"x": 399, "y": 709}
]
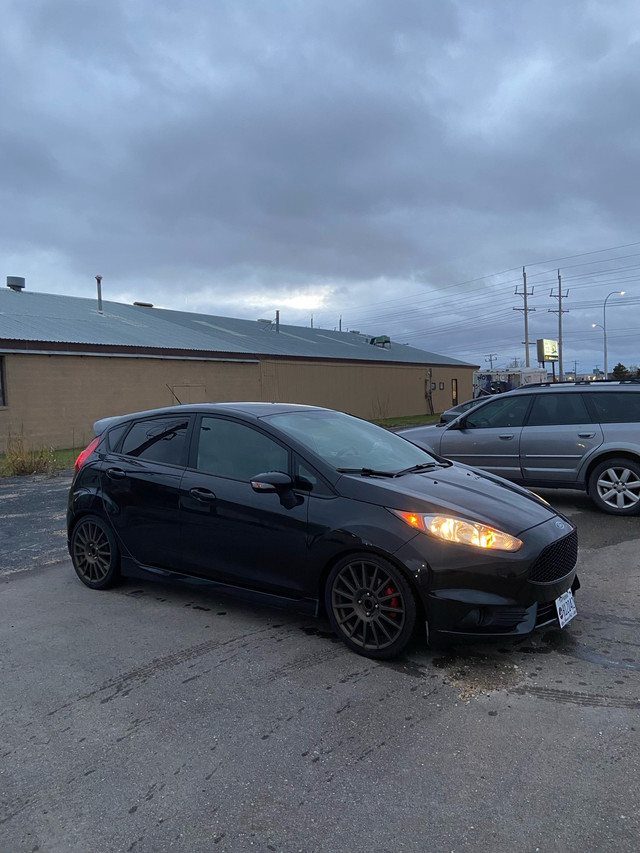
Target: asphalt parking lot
[{"x": 158, "y": 718}]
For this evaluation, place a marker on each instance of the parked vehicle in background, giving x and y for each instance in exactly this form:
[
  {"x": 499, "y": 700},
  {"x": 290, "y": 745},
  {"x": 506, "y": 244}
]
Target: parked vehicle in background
[
  {"x": 456, "y": 411},
  {"x": 569, "y": 435},
  {"x": 322, "y": 509}
]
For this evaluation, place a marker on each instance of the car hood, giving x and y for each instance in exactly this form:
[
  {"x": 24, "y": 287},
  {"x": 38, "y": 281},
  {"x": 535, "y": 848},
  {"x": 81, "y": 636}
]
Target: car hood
[{"x": 454, "y": 489}]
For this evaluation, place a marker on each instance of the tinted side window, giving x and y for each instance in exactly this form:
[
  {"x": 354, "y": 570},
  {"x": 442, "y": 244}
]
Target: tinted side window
[
  {"x": 502, "y": 412},
  {"x": 558, "y": 409},
  {"x": 612, "y": 407},
  {"x": 235, "y": 450},
  {"x": 158, "y": 440}
]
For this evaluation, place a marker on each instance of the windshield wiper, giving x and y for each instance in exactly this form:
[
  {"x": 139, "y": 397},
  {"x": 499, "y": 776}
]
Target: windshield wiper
[
  {"x": 366, "y": 472},
  {"x": 423, "y": 466}
]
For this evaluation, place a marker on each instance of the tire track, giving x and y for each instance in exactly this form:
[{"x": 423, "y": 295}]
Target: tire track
[
  {"x": 571, "y": 697},
  {"x": 121, "y": 685}
]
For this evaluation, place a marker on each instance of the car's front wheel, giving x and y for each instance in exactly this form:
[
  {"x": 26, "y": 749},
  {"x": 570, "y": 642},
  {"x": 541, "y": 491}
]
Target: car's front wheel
[
  {"x": 614, "y": 486},
  {"x": 370, "y": 605},
  {"x": 94, "y": 553}
]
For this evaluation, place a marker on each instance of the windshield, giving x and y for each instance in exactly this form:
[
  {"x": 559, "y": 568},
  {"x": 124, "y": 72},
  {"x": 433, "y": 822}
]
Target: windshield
[{"x": 349, "y": 443}]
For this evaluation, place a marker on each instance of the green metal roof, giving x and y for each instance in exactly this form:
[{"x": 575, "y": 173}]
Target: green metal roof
[{"x": 41, "y": 318}]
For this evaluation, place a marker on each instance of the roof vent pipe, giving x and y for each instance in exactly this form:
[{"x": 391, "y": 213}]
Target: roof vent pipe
[
  {"x": 277, "y": 321},
  {"x": 99, "y": 283},
  {"x": 15, "y": 282}
]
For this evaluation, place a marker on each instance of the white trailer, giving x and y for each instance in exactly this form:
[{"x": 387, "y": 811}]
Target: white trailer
[{"x": 486, "y": 382}]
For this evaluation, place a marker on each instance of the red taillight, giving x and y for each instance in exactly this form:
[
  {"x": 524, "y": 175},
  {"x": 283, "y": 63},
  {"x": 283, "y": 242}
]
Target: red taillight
[{"x": 86, "y": 453}]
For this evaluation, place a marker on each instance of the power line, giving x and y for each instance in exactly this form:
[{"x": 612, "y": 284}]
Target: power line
[{"x": 533, "y": 264}]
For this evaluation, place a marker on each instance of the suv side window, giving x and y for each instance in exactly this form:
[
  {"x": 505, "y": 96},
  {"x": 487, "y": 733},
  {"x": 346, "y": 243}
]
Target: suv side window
[
  {"x": 158, "y": 440},
  {"x": 611, "y": 407},
  {"x": 237, "y": 451},
  {"x": 557, "y": 409},
  {"x": 499, "y": 413}
]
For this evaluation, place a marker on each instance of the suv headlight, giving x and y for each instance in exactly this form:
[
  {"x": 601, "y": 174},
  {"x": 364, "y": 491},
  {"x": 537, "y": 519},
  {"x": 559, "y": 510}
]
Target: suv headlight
[{"x": 461, "y": 531}]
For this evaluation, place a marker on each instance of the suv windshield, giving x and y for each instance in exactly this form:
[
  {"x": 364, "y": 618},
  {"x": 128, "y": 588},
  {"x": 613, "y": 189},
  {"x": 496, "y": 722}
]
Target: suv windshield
[{"x": 346, "y": 442}]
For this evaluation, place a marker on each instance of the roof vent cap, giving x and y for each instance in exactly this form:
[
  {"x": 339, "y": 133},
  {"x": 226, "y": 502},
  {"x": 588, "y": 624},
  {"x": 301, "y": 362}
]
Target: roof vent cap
[
  {"x": 381, "y": 341},
  {"x": 144, "y": 304},
  {"x": 15, "y": 282}
]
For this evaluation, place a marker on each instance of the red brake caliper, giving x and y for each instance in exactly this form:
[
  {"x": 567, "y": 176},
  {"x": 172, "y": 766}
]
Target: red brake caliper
[{"x": 395, "y": 602}]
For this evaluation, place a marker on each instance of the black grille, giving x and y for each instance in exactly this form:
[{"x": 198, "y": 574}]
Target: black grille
[{"x": 556, "y": 561}]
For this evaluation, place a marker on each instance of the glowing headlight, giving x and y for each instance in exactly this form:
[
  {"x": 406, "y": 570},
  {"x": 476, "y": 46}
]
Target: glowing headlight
[{"x": 461, "y": 532}]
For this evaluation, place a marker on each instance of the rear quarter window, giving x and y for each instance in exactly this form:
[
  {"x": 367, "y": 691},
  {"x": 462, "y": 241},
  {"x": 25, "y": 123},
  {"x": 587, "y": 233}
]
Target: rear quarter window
[
  {"x": 615, "y": 407},
  {"x": 114, "y": 436}
]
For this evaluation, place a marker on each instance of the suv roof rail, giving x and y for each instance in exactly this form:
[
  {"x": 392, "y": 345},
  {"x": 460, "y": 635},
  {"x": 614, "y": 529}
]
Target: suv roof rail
[{"x": 550, "y": 384}]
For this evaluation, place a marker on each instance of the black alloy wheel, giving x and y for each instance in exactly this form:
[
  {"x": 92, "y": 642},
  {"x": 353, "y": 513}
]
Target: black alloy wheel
[
  {"x": 370, "y": 605},
  {"x": 94, "y": 553},
  {"x": 614, "y": 486}
]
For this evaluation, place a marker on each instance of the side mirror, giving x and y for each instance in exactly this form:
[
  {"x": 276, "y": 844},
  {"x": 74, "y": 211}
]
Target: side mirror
[
  {"x": 280, "y": 483},
  {"x": 271, "y": 481},
  {"x": 456, "y": 423}
]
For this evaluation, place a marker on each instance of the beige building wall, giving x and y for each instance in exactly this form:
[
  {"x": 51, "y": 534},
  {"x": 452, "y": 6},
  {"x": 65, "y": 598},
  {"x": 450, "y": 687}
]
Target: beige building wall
[
  {"x": 53, "y": 400},
  {"x": 365, "y": 389}
]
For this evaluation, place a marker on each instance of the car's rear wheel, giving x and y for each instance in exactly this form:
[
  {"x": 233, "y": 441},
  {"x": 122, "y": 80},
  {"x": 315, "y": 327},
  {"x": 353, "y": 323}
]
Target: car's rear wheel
[
  {"x": 370, "y": 605},
  {"x": 94, "y": 553},
  {"x": 614, "y": 486}
]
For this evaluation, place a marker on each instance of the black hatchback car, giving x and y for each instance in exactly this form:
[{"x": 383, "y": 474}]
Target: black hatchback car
[{"x": 322, "y": 509}]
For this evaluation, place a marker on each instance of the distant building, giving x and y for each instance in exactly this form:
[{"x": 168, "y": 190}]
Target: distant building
[
  {"x": 570, "y": 376},
  {"x": 64, "y": 364}
]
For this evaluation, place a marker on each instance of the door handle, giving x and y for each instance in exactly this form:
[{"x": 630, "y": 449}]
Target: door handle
[
  {"x": 506, "y": 436},
  {"x": 586, "y": 434},
  {"x": 204, "y": 495},
  {"x": 116, "y": 473}
]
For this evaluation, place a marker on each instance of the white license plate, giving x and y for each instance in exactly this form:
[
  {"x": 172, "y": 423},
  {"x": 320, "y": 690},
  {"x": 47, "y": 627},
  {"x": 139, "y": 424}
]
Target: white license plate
[{"x": 566, "y": 607}]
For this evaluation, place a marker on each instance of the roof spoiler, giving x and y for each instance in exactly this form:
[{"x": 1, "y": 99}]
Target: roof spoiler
[{"x": 100, "y": 426}]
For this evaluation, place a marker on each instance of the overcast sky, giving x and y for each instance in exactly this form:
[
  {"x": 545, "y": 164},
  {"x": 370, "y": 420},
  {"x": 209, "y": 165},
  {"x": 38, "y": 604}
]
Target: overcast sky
[{"x": 393, "y": 163}]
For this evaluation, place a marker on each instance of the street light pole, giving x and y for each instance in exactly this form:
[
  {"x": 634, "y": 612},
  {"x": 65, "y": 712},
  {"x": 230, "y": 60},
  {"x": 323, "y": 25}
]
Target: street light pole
[
  {"x": 604, "y": 326},
  {"x": 604, "y": 332}
]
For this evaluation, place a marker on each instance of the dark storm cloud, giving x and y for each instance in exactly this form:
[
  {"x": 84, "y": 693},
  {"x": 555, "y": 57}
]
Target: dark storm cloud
[{"x": 367, "y": 145}]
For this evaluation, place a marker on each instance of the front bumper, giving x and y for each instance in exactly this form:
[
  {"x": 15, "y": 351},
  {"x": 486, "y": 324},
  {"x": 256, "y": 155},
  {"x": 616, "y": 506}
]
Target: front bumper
[{"x": 470, "y": 615}]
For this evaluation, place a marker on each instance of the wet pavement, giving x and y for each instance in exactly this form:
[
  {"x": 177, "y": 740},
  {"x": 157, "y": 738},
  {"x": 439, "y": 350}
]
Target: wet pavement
[
  {"x": 33, "y": 521},
  {"x": 152, "y": 718}
]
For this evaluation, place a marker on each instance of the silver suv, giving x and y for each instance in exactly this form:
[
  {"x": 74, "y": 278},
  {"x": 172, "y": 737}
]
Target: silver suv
[{"x": 569, "y": 435}]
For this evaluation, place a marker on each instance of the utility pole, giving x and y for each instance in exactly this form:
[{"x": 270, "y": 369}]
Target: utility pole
[
  {"x": 490, "y": 358},
  {"x": 526, "y": 311},
  {"x": 559, "y": 312}
]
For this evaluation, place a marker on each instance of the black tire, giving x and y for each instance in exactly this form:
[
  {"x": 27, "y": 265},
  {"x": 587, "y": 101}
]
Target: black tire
[
  {"x": 94, "y": 553},
  {"x": 614, "y": 486},
  {"x": 370, "y": 605}
]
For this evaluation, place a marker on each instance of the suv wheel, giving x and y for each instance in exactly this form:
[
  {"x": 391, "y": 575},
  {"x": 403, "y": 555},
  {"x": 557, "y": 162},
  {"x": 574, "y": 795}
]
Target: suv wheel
[{"x": 614, "y": 486}]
